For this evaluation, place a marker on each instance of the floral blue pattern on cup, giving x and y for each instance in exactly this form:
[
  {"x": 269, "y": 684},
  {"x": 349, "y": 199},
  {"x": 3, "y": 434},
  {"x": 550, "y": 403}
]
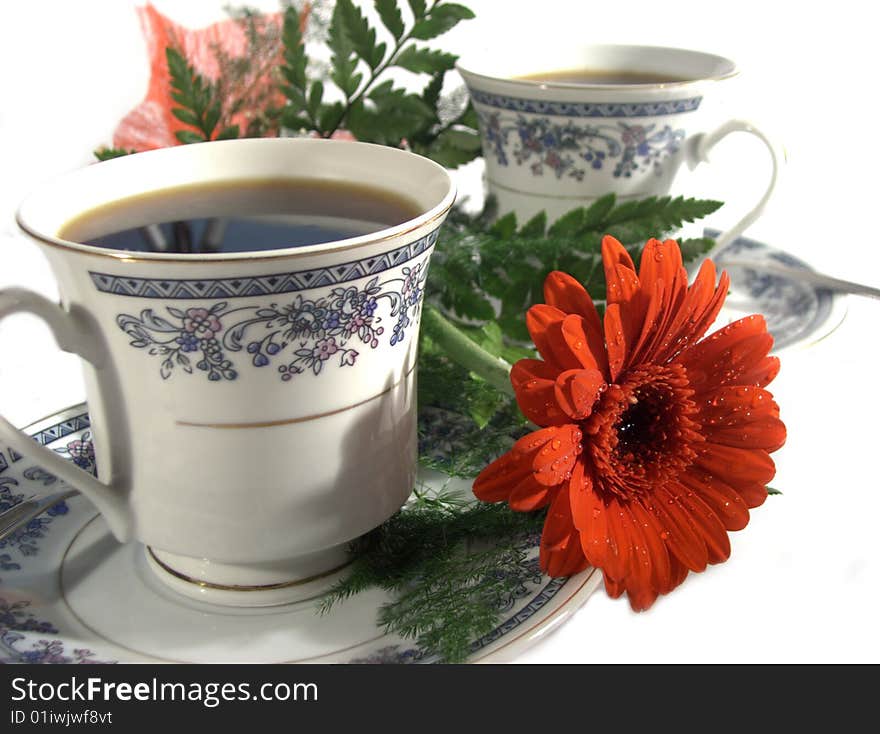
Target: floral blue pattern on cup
[
  {"x": 587, "y": 109},
  {"x": 570, "y": 149},
  {"x": 306, "y": 334}
]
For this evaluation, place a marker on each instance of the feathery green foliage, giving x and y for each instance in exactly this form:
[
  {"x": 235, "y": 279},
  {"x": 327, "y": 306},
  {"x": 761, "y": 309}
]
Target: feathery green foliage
[
  {"x": 477, "y": 261},
  {"x": 374, "y": 110},
  {"x": 450, "y": 567}
]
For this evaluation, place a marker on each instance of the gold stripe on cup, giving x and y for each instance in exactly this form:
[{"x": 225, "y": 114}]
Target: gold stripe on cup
[
  {"x": 302, "y": 419},
  {"x": 545, "y": 195},
  {"x": 230, "y": 587}
]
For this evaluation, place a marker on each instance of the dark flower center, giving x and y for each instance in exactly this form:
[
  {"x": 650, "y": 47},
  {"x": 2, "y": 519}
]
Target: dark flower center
[
  {"x": 643, "y": 430},
  {"x": 638, "y": 427}
]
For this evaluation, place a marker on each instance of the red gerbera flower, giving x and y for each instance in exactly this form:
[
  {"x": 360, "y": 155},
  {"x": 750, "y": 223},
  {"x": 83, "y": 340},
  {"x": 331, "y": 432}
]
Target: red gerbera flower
[{"x": 652, "y": 443}]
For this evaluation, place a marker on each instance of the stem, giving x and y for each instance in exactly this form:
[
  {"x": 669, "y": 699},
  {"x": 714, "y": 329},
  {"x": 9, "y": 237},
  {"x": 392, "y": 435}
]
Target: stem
[
  {"x": 465, "y": 351},
  {"x": 377, "y": 71}
]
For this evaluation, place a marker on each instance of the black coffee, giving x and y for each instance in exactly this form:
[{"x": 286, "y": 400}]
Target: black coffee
[
  {"x": 602, "y": 76},
  {"x": 240, "y": 216}
]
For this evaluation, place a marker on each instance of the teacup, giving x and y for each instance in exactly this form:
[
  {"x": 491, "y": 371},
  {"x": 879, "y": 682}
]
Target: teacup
[
  {"x": 566, "y": 126},
  {"x": 245, "y": 470}
]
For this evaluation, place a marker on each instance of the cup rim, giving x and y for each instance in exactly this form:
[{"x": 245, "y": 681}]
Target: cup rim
[
  {"x": 465, "y": 67},
  {"x": 426, "y": 218}
]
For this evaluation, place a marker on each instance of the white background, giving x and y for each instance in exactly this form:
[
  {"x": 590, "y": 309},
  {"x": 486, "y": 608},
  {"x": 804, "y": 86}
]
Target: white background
[{"x": 802, "y": 583}]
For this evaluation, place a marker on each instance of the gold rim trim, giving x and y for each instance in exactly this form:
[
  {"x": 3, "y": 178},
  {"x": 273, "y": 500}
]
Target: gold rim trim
[
  {"x": 232, "y": 587},
  {"x": 536, "y": 194},
  {"x": 732, "y": 70},
  {"x": 124, "y": 257},
  {"x": 291, "y": 421},
  {"x": 541, "y": 624}
]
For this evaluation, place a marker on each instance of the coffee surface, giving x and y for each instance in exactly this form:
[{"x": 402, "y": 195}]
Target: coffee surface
[
  {"x": 240, "y": 216},
  {"x": 601, "y": 76}
]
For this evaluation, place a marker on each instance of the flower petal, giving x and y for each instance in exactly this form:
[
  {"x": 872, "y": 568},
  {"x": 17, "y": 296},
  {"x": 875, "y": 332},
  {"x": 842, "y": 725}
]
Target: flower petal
[
  {"x": 686, "y": 328},
  {"x": 706, "y": 522},
  {"x": 625, "y": 300},
  {"x": 497, "y": 481},
  {"x": 710, "y": 311},
  {"x": 528, "y": 495},
  {"x": 661, "y": 261},
  {"x": 743, "y": 416},
  {"x": 654, "y": 313},
  {"x": 765, "y": 432},
  {"x": 681, "y": 538},
  {"x": 640, "y": 596},
  {"x": 586, "y": 342},
  {"x": 762, "y": 374},
  {"x": 747, "y": 471},
  {"x": 553, "y": 463},
  {"x": 558, "y": 525},
  {"x": 753, "y": 495},
  {"x": 531, "y": 442},
  {"x": 566, "y": 294},
  {"x": 538, "y": 320},
  {"x": 545, "y": 327},
  {"x": 661, "y": 572},
  {"x": 735, "y": 465},
  {"x": 613, "y": 588},
  {"x": 588, "y": 515},
  {"x": 640, "y": 588},
  {"x": 724, "y": 501},
  {"x": 664, "y": 282},
  {"x": 678, "y": 572},
  {"x": 736, "y": 406},
  {"x": 621, "y": 281},
  {"x": 566, "y": 560},
  {"x": 575, "y": 392},
  {"x": 619, "y": 558},
  {"x": 729, "y": 356},
  {"x": 534, "y": 383},
  {"x": 616, "y": 341}
]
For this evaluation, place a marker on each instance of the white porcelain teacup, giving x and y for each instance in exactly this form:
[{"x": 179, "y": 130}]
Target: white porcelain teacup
[
  {"x": 565, "y": 126},
  {"x": 244, "y": 456}
]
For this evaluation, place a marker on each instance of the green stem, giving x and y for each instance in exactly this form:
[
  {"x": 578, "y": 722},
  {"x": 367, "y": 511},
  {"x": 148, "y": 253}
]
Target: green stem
[{"x": 465, "y": 351}]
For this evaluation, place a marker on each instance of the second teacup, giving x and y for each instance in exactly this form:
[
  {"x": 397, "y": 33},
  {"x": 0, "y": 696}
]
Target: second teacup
[{"x": 563, "y": 128}]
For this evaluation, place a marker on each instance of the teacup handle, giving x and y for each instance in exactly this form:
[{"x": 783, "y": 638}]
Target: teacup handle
[
  {"x": 698, "y": 152},
  {"x": 72, "y": 336}
]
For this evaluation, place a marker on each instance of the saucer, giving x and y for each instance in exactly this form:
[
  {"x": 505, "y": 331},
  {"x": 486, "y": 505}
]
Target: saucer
[
  {"x": 69, "y": 593},
  {"x": 797, "y": 313}
]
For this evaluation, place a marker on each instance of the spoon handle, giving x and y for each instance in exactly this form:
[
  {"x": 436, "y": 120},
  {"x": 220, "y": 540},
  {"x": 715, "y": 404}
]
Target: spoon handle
[
  {"x": 17, "y": 516},
  {"x": 819, "y": 280}
]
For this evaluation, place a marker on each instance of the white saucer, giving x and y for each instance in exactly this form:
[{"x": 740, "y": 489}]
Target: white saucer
[
  {"x": 798, "y": 314},
  {"x": 70, "y": 593}
]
